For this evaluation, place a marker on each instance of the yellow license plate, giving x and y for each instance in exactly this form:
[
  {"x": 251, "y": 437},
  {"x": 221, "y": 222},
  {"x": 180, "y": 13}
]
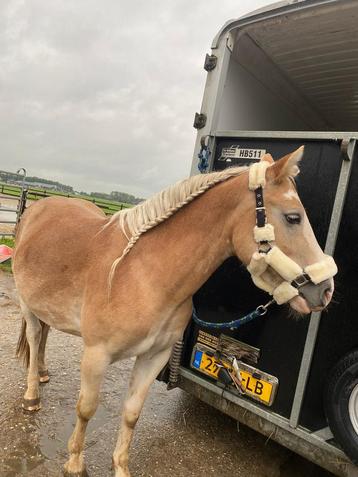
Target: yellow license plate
[{"x": 260, "y": 389}]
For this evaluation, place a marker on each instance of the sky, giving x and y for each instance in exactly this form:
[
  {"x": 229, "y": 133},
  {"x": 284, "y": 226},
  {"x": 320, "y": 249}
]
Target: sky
[{"x": 102, "y": 95}]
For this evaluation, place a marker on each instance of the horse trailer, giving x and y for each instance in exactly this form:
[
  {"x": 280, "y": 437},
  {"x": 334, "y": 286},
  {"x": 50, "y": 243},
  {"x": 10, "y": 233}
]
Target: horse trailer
[{"x": 278, "y": 78}]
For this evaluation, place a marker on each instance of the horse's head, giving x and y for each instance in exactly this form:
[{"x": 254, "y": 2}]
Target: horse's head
[{"x": 283, "y": 255}]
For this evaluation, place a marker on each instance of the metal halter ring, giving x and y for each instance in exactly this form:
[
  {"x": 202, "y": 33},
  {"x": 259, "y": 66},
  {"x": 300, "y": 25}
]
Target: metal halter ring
[{"x": 262, "y": 309}]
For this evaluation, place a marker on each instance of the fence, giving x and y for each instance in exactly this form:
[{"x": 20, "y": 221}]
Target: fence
[
  {"x": 8, "y": 191},
  {"x": 109, "y": 207}
]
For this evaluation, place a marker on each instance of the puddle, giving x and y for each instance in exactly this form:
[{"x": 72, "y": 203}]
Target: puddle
[{"x": 53, "y": 439}]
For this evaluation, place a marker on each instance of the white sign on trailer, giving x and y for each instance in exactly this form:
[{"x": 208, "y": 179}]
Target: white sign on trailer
[{"x": 241, "y": 153}]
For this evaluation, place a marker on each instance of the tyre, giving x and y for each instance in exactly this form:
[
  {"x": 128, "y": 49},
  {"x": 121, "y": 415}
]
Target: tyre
[{"x": 341, "y": 404}]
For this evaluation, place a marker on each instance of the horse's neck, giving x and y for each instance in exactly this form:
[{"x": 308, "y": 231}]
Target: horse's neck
[{"x": 191, "y": 245}]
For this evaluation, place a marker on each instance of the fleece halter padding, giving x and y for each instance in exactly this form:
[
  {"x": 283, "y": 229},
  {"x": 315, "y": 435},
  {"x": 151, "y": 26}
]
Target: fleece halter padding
[
  {"x": 321, "y": 271},
  {"x": 284, "y": 265},
  {"x": 257, "y": 174},
  {"x": 293, "y": 275},
  {"x": 264, "y": 234}
]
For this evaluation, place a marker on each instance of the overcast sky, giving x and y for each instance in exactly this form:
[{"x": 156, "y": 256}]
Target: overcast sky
[{"x": 102, "y": 95}]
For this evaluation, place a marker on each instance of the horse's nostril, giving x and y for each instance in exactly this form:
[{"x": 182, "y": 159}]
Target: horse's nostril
[{"x": 327, "y": 294}]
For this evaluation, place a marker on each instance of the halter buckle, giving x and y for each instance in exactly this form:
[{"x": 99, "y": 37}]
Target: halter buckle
[{"x": 301, "y": 280}]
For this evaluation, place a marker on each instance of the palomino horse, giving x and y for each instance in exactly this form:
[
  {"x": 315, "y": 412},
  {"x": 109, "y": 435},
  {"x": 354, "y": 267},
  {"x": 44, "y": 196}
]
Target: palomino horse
[{"x": 138, "y": 304}]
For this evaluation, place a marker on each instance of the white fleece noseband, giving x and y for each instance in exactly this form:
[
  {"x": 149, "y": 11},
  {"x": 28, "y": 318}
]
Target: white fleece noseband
[{"x": 294, "y": 276}]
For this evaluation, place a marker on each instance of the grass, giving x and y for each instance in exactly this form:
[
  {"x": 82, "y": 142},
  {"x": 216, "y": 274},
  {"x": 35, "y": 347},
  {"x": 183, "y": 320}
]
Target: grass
[
  {"x": 109, "y": 207},
  {"x": 10, "y": 242}
]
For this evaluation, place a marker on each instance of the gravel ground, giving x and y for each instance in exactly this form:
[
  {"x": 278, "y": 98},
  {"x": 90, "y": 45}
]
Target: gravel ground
[{"x": 176, "y": 434}]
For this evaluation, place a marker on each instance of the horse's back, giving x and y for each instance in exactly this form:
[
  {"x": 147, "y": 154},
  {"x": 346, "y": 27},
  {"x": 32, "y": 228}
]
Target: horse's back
[
  {"x": 53, "y": 252},
  {"x": 54, "y": 211},
  {"x": 58, "y": 225}
]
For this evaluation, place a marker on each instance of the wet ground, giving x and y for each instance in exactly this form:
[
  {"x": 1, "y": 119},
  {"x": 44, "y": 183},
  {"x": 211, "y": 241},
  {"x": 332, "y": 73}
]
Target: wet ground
[{"x": 177, "y": 435}]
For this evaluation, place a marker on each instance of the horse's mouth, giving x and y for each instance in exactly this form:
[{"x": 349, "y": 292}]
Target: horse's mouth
[{"x": 300, "y": 304}]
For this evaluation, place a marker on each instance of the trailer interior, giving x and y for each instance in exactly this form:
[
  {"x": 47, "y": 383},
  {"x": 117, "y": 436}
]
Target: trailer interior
[{"x": 294, "y": 72}]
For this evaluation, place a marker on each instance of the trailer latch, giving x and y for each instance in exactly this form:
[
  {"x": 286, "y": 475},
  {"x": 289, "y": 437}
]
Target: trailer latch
[
  {"x": 199, "y": 120},
  {"x": 210, "y": 62}
]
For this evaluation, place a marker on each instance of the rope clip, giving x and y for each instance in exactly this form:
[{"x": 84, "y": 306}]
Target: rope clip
[{"x": 262, "y": 309}]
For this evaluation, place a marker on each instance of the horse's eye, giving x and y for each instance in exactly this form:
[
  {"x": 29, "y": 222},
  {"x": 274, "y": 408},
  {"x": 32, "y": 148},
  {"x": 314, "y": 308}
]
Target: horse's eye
[{"x": 293, "y": 219}]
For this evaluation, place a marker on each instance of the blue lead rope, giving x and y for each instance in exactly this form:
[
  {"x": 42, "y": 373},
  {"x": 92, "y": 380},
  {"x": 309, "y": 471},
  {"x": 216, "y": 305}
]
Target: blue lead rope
[{"x": 235, "y": 324}]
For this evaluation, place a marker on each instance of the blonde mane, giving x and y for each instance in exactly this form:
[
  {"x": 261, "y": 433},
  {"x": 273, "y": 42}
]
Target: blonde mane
[{"x": 135, "y": 221}]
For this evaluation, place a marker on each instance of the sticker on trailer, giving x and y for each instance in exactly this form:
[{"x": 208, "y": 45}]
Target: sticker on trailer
[{"x": 237, "y": 152}]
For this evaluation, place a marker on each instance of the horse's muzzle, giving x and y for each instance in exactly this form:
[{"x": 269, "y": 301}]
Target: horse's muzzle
[{"x": 317, "y": 297}]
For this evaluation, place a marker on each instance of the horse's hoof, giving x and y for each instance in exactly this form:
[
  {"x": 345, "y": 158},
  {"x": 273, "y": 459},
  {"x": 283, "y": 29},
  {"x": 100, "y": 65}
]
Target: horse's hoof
[
  {"x": 75, "y": 467},
  {"x": 83, "y": 473},
  {"x": 44, "y": 377},
  {"x": 31, "y": 405}
]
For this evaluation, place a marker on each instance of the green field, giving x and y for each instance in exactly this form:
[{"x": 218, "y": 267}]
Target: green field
[{"x": 109, "y": 207}]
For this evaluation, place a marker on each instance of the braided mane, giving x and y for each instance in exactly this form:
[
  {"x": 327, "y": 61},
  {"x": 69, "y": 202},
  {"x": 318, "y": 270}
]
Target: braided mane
[{"x": 136, "y": 221}]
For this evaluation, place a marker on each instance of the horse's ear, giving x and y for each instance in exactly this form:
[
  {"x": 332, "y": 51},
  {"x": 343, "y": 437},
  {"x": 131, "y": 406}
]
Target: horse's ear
[
  {"x": 268, "y": 158},
  {"x": 287, "y": 166}
]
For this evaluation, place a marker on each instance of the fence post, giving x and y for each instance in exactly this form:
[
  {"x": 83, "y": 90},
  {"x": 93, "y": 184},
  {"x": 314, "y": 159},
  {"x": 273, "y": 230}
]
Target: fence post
[{"x": 21, "y": 205}]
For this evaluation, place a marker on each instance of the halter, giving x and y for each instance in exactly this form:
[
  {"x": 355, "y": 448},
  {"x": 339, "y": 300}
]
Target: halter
[{"x": 268, "y": 254}]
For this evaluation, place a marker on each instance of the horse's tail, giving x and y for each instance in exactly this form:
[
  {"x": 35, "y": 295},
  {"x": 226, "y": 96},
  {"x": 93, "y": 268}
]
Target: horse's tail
[{"x": 23, "y": 348}]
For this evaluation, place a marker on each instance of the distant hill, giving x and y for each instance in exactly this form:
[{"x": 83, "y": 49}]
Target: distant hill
[
  {"x": 39, "y": 182},
  {"x": 118, "y": 197},
  {"x": 12, "y": 178}
]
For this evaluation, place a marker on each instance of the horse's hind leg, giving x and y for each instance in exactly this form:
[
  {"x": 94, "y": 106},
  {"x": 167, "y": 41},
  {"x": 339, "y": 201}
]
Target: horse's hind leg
[
  {"x": 30, "y": 338},
  {"x": 43, "y": 371},
  {"x": 93, "y": 366},
  {"x": 145, "y": 370}
]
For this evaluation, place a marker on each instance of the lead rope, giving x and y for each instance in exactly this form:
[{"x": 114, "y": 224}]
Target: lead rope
[{"x": 261, "y": 310}]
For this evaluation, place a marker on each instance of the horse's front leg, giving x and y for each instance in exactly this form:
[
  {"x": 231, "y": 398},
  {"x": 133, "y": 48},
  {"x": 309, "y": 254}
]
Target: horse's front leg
[
  {"x": 94, "y": 363},
  {"x": 145, "y": 370}
]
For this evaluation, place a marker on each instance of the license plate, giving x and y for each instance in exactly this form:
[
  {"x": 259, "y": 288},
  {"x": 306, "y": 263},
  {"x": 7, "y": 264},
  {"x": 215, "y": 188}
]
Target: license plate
[{"x": 257, "y": 384}]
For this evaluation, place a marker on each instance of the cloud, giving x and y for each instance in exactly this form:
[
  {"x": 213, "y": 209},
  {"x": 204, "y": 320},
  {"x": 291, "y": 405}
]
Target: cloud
[{"x": 102, "y": 95}]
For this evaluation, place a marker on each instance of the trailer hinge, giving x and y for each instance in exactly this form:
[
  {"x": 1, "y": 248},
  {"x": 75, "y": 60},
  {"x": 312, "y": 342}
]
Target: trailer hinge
[
  {"x": 199, "y": 120},
  {"x": 210, "y": 62}
]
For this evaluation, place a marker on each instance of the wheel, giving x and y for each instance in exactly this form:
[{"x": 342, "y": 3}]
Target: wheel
[{"x": 341, "y": 404}]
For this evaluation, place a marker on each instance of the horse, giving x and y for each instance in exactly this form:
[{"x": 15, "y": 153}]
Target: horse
[{"x": 133, "y": 298}]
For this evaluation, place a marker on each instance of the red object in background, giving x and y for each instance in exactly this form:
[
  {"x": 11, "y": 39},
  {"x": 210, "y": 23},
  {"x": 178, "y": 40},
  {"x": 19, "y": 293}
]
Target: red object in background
[{"x": 5, "y": 253}]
